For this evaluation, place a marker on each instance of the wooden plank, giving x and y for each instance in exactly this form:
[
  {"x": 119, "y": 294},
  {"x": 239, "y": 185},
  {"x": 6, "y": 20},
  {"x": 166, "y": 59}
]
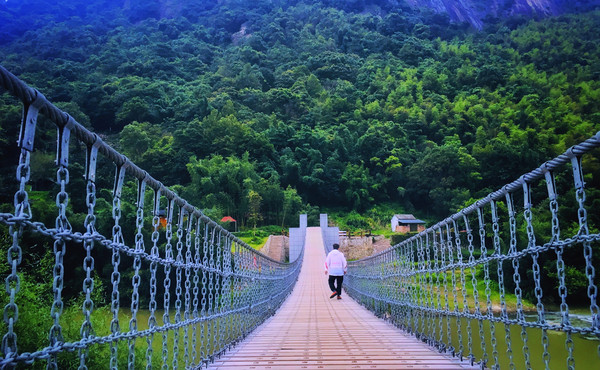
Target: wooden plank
[
  {"x": 312, "y": 331},
  {"x": 383, "y": 357},
  {"x": 340, "y": 366}
]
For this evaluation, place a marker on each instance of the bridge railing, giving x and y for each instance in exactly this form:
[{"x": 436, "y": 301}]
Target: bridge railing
[
  {"x": 178, "y": 289},
  {"x": 463, "y": 285}
]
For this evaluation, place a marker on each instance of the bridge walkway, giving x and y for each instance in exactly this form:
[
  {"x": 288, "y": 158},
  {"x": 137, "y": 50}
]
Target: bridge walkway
[{"x": 312, "y": 331}]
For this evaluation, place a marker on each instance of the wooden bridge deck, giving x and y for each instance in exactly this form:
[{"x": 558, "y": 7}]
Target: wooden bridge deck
[{"x": 311, "y": 331}]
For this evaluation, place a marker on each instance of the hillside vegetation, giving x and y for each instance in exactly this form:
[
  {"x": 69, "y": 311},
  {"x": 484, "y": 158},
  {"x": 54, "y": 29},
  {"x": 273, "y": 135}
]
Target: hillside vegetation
[
  {"x": 261, "y": 110},
  {"x": 304, "y": 103}
]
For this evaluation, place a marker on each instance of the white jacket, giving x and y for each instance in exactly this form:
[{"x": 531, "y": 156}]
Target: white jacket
[{"x": 335, "y": 263}]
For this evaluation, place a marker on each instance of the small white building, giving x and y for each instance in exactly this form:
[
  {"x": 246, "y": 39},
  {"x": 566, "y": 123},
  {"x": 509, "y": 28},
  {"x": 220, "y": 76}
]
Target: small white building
[{"x": 406, "y": 224}]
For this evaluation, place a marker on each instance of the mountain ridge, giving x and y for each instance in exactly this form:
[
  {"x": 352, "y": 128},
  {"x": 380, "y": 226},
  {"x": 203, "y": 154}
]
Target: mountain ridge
[{"x": 477, "y": 13}]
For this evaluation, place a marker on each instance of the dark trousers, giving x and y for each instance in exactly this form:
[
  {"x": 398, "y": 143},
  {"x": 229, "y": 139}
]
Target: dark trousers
[{"x": 332, "y": 280}]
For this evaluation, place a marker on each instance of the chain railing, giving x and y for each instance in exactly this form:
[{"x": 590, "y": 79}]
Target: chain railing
[
  {"x": 463, "y": 285},
  {"x": 182, "y": 289}
]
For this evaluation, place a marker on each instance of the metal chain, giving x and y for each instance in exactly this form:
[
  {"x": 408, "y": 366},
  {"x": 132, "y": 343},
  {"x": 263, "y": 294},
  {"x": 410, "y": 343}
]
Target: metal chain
[
  {"x": 515, "y": 262},
  {"x": 178, "y": 289},
  {"x": 452, "y": 246},
  {"x": 413, "y": 288},
  {"x": 212, "y": 293},
  {"x": 204, "y": 305},
  {"x": 241, "y": 296},
  {"x": 444, "y": 345},
  {"x": 488, "y": 294},
  {"x": 438, "y": 263},
  {"x": 58, "y": 273},
  {"x": 414, "y": 266},
  {"x": 137, "y": 264},
  {"x": 195, "y": 313},
  {"x": 187, "y": 295},
  {"x": 420, "y": 328},
  {"x": 167, "y": 283},
  {"x": 428, "y": 279},
  {"x": 552, "y": 196},
  {"x": 463, "y": 290},
  {"x": 117, "y": 238},
  {"x": 430, "y": 288},
  {"x": 500, "y": 271},
  {"x": 236, "y": 285},
  {"x": 451, "y": 348},
  {"x": 564, "y": 308},
  {"x": 219, "y": 289},
  {"x": 63, "y": 226},
  {"x": 13, "y": 286},
  {"x": 592, "y": 290},
  {"x": 527, "y": 213},
  {"x": 88, "y": 265},
  {"x": 152, "y": 323},
  {"x": 14, "y": 255},
  {"x": 476, "y": 305}
]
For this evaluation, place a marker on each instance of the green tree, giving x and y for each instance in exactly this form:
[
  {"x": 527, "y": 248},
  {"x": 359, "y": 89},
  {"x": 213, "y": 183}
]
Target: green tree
[
  {"x": 443, "y": 178},
  {"x": 222, "y": 183},
  {"x": 357, "y": 184},
  {"x": 292, "y": 204},
  {"x": 254, "y": 216}
]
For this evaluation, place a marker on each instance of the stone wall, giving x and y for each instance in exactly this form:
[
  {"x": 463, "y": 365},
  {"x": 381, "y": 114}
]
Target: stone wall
[
  {"x": 404, "y": 229},
  {"x": 277, "y": 247},
  {"x": 355, "y": 248}
]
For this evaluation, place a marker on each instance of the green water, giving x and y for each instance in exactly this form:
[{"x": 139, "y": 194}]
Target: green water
[
  {"x": 585, "y": 350},
  {"x": 210, "y": 337}
]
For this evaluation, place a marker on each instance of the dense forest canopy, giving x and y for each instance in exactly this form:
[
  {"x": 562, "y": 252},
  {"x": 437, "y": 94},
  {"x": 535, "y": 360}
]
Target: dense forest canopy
[
  {"x": 262, "y": 110},
  {"x": 309, "y": 102}
]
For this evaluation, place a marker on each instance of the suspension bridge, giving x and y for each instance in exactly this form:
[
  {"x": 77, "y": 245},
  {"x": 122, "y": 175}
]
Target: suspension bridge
[
  {"x": 312, "y": 331},
  {"x": 186, "y": 293}
]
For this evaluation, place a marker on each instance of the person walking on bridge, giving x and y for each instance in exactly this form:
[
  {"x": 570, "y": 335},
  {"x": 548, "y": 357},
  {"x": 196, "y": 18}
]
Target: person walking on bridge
[{"x": 336, "y": 266}]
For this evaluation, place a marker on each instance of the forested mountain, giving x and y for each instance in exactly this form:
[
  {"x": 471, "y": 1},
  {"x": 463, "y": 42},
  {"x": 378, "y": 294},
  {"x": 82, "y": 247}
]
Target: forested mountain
[
  {"x": 314, "y": 102},
  {"x": 480, "y": 12}
]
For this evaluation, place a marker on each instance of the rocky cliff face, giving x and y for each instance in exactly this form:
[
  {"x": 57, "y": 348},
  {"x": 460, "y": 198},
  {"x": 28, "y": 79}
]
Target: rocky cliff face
[{"x": 476, "y": 11}]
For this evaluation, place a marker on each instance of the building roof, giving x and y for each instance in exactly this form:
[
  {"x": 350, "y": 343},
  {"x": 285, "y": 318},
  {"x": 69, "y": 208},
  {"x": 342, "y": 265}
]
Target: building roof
[
  {"x": 408, "y": 219},
  {"x": 405, "y": 217},
  {"x": 415, "y": 221}
]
